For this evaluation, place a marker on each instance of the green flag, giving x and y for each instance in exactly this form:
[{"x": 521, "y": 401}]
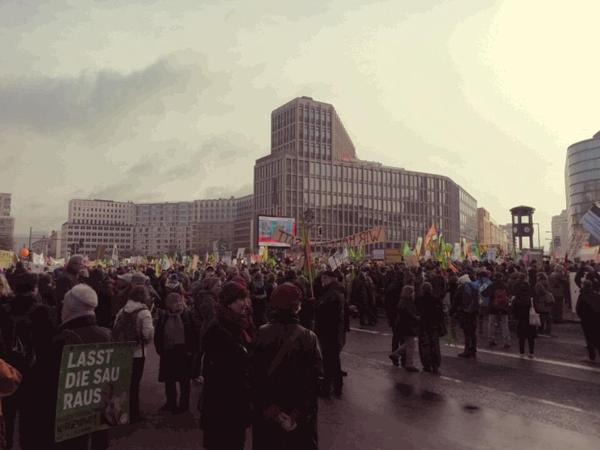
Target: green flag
[{"x": 406, "y": 251}]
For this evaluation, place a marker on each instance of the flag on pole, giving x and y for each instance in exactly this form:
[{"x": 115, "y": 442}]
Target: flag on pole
[
  {"x": 406, "y": 249},
  {"x": 115, "y": 255},
  {"x": 430, "y": 236},
  {"x": 418, "y": 246}
]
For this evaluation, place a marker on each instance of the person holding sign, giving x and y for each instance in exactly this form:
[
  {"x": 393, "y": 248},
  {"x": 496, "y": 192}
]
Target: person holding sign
[{"x": 78, "y": 327}]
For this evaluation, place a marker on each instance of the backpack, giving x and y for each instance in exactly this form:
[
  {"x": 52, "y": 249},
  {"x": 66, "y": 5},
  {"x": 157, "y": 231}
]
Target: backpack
[
  {"x": 500, "y": 300},
  {"x": 125, "y": 328},
  {"x": 21, "y": 352}
]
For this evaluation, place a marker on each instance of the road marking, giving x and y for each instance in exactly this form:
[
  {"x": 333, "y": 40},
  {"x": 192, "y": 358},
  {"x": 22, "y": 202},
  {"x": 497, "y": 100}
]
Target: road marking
[
  {"x": 361, "y": 330},
  {"x": 542, "y": 360},
  {"x": 507, "y": 355},
  {"x": 454, "y": 380},
  {"x": 560, "y": 405}
]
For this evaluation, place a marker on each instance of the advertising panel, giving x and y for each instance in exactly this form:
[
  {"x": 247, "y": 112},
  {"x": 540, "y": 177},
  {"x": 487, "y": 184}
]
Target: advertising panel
[{"x": 267, "y": 226}]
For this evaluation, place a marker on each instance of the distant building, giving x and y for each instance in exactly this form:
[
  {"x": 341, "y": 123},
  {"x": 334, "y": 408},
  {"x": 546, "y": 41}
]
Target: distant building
[
  {"x": 163, "y": 228},
  {"x": 489, "y": 233},
  {"x": 313, "y": 165},
  {"x": 7, "y": 223},
  {"x": 560, "y": 235},
  {"x": 582, "y": 184}
]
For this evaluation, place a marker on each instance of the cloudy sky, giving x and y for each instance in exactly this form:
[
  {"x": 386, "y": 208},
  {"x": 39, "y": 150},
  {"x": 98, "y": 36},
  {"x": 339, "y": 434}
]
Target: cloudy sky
[{"x": 170, "y": 100}]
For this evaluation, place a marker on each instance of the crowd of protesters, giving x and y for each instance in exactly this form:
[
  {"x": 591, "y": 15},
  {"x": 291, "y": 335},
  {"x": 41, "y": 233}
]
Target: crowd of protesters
[{"x": 263, "y": 341}]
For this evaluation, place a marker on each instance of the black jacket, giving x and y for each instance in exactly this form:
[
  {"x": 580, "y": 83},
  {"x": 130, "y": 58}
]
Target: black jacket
[
  {"x": 407, "y": 320},
  {"x": 225, "y": 401},
  {"x": 431, "y": 313},
  {"x": 329, "y": 317},
  {"x": 175, "y": 363},
  {"x": 292, "y": 386}
]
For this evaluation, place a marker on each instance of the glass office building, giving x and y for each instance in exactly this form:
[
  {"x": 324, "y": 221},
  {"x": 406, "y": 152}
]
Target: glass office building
[
  {"x": 313, "y": 165},
  {"x": 582, "y": 183}
]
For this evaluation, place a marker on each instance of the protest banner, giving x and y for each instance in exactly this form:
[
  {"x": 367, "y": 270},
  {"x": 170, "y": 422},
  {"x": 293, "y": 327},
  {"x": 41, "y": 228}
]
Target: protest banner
[
  {"x": 393, "y": 255},
  {"x": 283, "y": 237},
  {"x": 591, "y": 221},
  {"x": 411, "y": 261},
  {"x": 372, "y": 236},
  {"x": 7, "y": 259},
  {"x": 93, "y": 388}
]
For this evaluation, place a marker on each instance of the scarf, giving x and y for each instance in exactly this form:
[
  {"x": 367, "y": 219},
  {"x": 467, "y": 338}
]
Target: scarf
[
  {"x": 174, "y": 331},
  {"x": 238, "y": 324}
]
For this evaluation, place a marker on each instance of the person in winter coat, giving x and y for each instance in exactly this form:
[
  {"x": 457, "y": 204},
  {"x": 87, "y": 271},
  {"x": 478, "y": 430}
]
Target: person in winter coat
[
  {"x": 287, "y": 367},
  {"x": 10, "y": 378},
  {"x": 225, "y": 401},
  {"x": 361, "y": 297},
  {"x": 520, "y": 308},
  {"x": 391, "y": 299},
  {"x": 559, "y": 286},
  {"x": 497, "y": 292},
  {"x": 27, "y": 328},
  {"x": 329, "y": 327},
  {"x": 205, "y": 295},
  {"x": 588, "y": 310},
  {"x": 134, "y": 324},
  {"x": 467, "y": 308},
  {"x": 176, "y": 344},
  {"x": 544, "y": 303},
  {"x": 407, "y": 320},
  {"x": 69, "y": 278},
  {"x": 78, "y": 327},
  {"x": 431, "y": 328},
  {"x": 258, "y": 295}
]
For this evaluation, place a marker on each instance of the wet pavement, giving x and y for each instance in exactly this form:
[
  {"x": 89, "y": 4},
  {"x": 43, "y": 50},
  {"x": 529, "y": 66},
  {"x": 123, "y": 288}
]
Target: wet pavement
[{"x": 498, "y": 401}]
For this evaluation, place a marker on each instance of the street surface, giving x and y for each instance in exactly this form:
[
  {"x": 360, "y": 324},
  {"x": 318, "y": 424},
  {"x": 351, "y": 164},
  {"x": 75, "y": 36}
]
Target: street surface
[{"x": 498, "y": 401}]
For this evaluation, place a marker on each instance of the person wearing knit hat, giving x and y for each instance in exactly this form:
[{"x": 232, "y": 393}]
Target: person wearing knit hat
[
  {"x": 288, "y": 366},
  {"x": 286, "y": 296},
  {"x": 80, "y": 301}
]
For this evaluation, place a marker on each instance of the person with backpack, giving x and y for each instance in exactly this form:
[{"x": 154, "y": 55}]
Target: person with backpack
[
  {"x": 134, "y": 324},
  {"x": 499, "y": 310},
  {"x": 287, "y": 366},
  {"x": 467, "y": 310},
  {"x": 27, "y": 329}
]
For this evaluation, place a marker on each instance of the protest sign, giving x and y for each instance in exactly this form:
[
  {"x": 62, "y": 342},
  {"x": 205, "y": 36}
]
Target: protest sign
[
  {"x": 393, "y": 255},
  {"x": 7, "y": 259},
  {"x": 379, "y": 254},
  {"x": 93, "y": 388},
  {"x": 411, "y": 261}
]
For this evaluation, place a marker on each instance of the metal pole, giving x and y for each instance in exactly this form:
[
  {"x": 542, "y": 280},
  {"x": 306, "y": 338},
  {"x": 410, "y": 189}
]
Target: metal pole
[{"x": 30, "y": 230}]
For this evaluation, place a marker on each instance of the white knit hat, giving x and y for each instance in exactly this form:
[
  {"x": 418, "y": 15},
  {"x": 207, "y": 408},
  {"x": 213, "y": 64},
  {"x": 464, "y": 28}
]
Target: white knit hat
[{"x": 80, "y": 301}]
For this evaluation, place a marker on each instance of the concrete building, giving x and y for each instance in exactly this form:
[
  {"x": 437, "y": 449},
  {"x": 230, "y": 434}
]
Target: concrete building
[
  {"x": 489, "y": 233},
  {"x": 582, "y": 184},
  {"x": 163, "y": 228},
  {"x": 560, "y": 235},
  {"x": 7, "y": 223},
  {"x": 213, "y": 222},
  {"x": 313, "y": 165},
  {"x": 243, "y": 227},
  {"x": 95, "y": 226}
]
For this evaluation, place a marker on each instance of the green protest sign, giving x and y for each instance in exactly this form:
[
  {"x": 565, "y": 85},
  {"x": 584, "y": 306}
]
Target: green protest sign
[{"x": 93, "y": 388}]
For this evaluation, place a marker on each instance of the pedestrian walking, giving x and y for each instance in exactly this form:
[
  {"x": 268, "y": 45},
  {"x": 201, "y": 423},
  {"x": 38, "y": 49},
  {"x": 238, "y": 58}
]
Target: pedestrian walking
[
  {"x": 225, "y": 401},
  {"x": 431, "y": 327},
  {"x": 544, "y": 303},
  {"x": 176, "y": 343},
  {"x": 134, "y": 324},
  {"x": 287, "y": 366},
  {"x": 407, "y": 321}
]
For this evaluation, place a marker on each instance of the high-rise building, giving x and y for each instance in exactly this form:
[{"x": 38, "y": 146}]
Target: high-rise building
[
  {"x": 7, "y": 223},
  {"x": 582, "y": 184},
  {"x": 243, "y": 226},
  {"x": 313, "y": 165}
]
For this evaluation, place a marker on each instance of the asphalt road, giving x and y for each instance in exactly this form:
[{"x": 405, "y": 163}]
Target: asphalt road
[{"x": 498, "y": 401}]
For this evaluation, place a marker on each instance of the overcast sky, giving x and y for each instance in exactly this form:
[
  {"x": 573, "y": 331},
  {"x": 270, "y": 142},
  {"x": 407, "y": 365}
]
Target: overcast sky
[{"x": 170, "y": 100}]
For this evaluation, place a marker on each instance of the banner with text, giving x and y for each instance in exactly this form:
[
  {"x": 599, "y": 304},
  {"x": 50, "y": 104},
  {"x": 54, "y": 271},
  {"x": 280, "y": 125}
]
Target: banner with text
[
  {"x": 372, "y": 236},
  {"x": 93, "y": 389}
]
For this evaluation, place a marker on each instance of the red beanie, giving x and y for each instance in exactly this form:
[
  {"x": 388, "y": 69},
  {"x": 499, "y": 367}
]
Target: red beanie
[{"x": 286, "y": 296}]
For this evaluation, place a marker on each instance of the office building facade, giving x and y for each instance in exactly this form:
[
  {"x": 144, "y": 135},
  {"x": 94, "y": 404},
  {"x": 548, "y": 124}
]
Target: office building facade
[
  {"x": 582, "y": 184},
  {"x": 313, "y": 165},
  {"x": 7, "y": 223}
]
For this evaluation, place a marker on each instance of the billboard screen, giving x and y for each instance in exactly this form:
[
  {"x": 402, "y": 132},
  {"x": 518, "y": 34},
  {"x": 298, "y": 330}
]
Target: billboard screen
[{"x": 267, "y": 225}]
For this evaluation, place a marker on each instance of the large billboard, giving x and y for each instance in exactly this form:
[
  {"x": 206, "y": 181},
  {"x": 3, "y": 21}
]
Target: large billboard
[{"x": 267, "y": 226}]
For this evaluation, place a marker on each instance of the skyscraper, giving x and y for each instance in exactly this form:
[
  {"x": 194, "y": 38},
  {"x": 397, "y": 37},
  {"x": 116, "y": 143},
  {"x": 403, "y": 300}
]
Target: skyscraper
[{"x": 313, "y": 165}]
